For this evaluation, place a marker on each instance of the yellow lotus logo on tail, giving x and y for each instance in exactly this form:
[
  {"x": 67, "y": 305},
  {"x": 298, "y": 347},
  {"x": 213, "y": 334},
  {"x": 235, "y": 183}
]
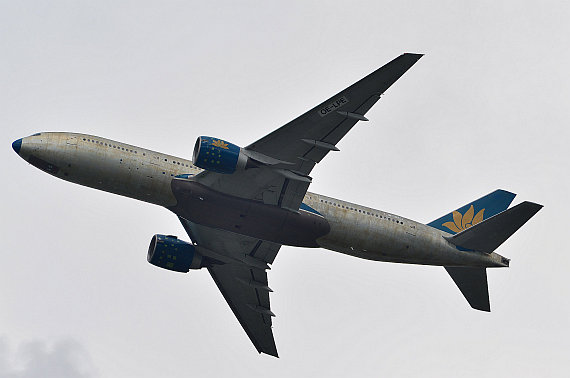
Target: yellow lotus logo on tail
[
  {"x": 462, "y": 222},
  {"x": 219, "y": 143}
]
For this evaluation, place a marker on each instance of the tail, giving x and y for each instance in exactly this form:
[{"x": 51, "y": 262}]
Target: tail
[
  {"x": 473, "y": 285},
  {"x": 474, "y": 212},
  {"x": 482, "y": 226}
]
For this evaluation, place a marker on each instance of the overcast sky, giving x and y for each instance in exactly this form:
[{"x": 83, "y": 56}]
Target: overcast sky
[{"x": 486, "y": 108}]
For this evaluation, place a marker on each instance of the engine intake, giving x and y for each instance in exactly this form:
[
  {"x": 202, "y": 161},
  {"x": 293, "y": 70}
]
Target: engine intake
[
  {"x": 168, "y": 252},
  {"x": 217, "y": 155}
]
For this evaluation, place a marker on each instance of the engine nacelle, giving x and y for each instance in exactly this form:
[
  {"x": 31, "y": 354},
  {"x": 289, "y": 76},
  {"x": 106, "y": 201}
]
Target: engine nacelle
[
  {"x": 170, "y": 253},
  {"x": 217, "y": 155}
]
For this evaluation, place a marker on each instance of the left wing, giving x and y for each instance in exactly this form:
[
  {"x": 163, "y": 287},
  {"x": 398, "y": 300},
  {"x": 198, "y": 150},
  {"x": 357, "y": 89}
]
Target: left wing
[
  {"x": 292, "y": 151},
  {"x": 286, "y": 157},
  {"x": 241, "y": 278}
]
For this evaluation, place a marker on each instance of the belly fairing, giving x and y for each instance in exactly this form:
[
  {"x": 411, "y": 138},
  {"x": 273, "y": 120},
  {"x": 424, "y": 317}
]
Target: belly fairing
[{"x": 200, "y": 204}]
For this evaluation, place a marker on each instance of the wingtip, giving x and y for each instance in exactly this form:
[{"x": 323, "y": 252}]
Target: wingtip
[
  {"x": 272, "y": 353},
  {"x": 415, "y": 55},
  {"x": 483, "y": 307}
]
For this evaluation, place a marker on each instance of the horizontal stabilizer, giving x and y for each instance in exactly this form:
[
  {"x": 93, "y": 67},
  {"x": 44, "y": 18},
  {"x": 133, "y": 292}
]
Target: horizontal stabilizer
[
  {"x": 473, "y": 285},
  {"x": 491, "y": 233}
]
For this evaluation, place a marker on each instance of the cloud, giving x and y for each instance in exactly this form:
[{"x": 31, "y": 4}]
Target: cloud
[{"x": 65, "y": 358}]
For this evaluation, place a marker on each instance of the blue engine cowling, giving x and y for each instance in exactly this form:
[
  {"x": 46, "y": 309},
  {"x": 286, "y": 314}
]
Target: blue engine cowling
[
  {"x": 217, "y": 155},
  {"x": 170, "y": 253}
]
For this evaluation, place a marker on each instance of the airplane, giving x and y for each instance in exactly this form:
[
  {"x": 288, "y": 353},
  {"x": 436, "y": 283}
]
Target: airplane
[{"x": 239, "y": 205}]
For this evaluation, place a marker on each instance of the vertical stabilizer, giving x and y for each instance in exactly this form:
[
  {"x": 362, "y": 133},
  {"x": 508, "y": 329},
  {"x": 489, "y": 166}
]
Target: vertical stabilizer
[
  {"x": 472, "y": 281},
  {"x": 474, "y": 212}
]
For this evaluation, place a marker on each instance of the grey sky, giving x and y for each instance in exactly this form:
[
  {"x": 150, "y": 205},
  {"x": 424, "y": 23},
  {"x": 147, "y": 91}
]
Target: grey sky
[
  {"x": 486, "y": 108},
  {"x": 66, "y": 358}
]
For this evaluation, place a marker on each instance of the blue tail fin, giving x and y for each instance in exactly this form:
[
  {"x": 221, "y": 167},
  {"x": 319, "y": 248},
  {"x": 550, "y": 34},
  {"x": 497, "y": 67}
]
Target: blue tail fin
[{"x": 474, "y": 212}]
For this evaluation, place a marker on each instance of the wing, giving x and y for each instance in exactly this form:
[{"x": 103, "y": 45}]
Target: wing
[
  {"x": 293, "y": 150},
  {"x": 249, "y": 304},
  {"x": 287, "y": 157},
  {"x": 243, "y": 284}
]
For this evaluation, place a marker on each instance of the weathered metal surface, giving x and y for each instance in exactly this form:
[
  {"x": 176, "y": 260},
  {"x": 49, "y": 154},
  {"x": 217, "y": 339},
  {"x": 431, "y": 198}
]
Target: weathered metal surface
[
  {"x": 108, "y": 165},
  {"x": 376, "y": 235},
  {"x": 149, "y": 176}
]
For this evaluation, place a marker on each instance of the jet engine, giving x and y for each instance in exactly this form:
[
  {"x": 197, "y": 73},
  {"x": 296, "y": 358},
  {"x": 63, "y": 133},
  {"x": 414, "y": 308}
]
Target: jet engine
[
  {"x": 170, "y": 253},
  {"x": 217, "y": 155}
]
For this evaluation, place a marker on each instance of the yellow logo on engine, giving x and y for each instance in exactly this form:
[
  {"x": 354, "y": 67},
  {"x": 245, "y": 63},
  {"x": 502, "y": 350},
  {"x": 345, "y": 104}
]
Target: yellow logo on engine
[
  {"x": 219, "y": 143},
  {"x": 462, "y": 222}
]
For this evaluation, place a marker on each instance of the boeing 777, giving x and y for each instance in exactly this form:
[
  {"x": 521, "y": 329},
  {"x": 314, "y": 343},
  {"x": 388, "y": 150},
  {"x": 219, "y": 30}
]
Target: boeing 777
[{"x": 240, "y": 205}]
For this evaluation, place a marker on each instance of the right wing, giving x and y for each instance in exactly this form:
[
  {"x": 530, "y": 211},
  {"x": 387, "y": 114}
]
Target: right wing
[
  {"x": 241, "y": 278},
  {"x": 250, "y": 304}
]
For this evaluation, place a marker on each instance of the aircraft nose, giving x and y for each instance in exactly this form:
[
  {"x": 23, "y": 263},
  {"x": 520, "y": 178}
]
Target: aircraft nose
[{"x": 17, "y": 145}]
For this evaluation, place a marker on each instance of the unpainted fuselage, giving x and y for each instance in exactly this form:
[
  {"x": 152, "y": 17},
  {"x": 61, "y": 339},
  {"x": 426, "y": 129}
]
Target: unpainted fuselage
[{"x": 321, "y": 222}]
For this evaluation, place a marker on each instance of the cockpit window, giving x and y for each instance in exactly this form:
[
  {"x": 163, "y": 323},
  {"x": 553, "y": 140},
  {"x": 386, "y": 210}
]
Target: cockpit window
[{"x": 36, "y": 134}]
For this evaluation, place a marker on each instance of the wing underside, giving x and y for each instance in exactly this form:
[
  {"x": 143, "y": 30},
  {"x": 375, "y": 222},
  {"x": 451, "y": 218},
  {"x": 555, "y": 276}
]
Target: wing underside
[
  {"x": 246, "y": 292},
  {"x": 286, "y": 157},
  {"x": 302, "y": 143},
  {"x": 241, "y": 278}
]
